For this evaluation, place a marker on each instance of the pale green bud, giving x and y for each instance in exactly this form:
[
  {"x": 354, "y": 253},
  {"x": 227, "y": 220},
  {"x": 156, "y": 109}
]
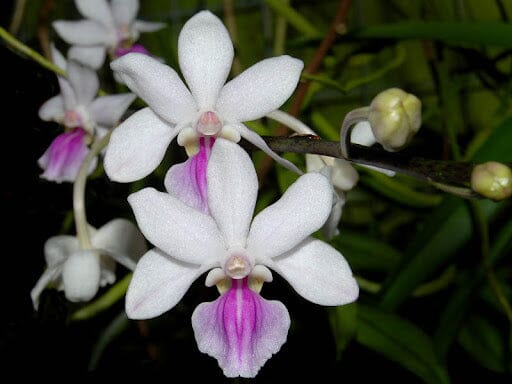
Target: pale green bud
[
  {"x": 395, "y": 116},
  {"x": 492, "y": 180}
]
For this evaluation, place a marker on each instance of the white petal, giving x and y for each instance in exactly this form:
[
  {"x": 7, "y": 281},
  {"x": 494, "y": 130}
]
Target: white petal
[
  {"x": 158, "y": 85},
  {"x": 92, "y": 56},
  {"x": 58, "y": 248},
  {"x": 177, "y": 229},
  {"x": 51, "y": 274},
  {"x": 158, "y": 284},
  {"x": 318, "y": 273},
  {"x": 52, "y": 109},
  {"x": 302, "y": 210},
  {"x": 255, "y": 139},
  {"x": 137, "y": 146},
  {"x": 107, "y": 110},
  {"x": 147, "y": 26},
  {"x": 124, "y": 11},
  {"x": 83, "y": 32},
  {"x": 260, "y": 89},
  {"x": 81, "y": 275},
  {"x": 84, "y": 81},
  {"x": 232, "y": 190},
  {"x": 57, "y": 57},
  {"x": 205, "y": 53},
  {"x": 362, "y": 134},
  {"x": 98, "y": 10},
  {"x": 67, "y": 92},
  {"x": 343, "y": 175},
  {"x": 122, "y": 240}
]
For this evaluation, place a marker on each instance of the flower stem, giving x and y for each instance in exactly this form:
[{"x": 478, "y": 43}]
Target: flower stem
[
  {"x": 27, "y": 51},
  {"x": 82, "y": 230}
]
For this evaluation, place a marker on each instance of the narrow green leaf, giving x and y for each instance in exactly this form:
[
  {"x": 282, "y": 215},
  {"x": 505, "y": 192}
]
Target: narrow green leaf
[
  {"x": 293, "y": 17},
  {"x": 400, "y": 341},
  {"x": 109, "y": 334},
  {"x": 105, "y": 301},
  {"x": 470, "y": 32},
  {"x": 343, "y": 321},
  {"x": 365, "y": 253},
  {"x": 484, "y": 343},
  {"x": 456, "y": 310},
  {"x": 399, "y": 192},
  {"x": 447, "y": 229}
]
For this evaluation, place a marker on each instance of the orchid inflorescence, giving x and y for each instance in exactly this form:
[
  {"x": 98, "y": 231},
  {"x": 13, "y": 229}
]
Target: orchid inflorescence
[{"x": 202, "y": 224}]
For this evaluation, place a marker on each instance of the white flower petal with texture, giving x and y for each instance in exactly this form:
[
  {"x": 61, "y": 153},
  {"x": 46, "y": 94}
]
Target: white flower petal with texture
[
  {"x": 83, "y": 32},
  {"x": 179, "y": 230},
  {"x": 84, "y": 82},
  {"x": 52, "y": 109},
  {"x": 131, "y": 155},
  {"x": 98, "y": 10},
  {"x": 108, "y": 110},
  {"x": 234, "y": 185},
  {"x": 260, "y": 89},
  {"x": 158, "y": 283},
  {"x": 302, "y": 210},
  {"x": 93, "y": 56},
  {"x": 318, "y": 273},
  {"x": 205, "y": 54},
  {"x": 158, "y": 85},
  {"x": 124, "y": 11}
]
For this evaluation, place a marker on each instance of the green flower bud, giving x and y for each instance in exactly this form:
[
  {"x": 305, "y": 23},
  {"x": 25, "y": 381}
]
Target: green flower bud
[
  {"x": 395, "y": 116},
  {"x": 492, "y": 180}
]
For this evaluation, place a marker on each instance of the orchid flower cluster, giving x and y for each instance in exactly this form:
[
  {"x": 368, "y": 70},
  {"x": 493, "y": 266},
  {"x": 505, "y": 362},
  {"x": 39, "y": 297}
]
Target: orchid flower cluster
[{"x": 202, "y": 224}]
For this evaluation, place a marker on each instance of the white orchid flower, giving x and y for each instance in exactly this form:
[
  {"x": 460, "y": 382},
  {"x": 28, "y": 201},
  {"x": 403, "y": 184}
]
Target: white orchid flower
[
  {"x": 80, "y": 273},
  {"x": 209, "y": 109},
  {"x": 84, "y": 116},
  {"x": 109, "y": 27},
  {"x": 240, "y": 329}
]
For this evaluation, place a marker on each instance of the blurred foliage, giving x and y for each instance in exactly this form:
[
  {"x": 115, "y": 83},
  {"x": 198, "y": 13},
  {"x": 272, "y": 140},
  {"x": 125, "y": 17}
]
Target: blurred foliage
[{"x": 400, "y": 236}]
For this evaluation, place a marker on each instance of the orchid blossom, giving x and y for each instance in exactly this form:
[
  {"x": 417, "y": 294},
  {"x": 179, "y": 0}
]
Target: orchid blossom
[
  {"x": 209, "y": 109},
  {"x": 80, "y": 272},
  {"x": 108, "y": 27},
  {"x": 240, "y": 329},
  {"x": 84, "y": 117}
]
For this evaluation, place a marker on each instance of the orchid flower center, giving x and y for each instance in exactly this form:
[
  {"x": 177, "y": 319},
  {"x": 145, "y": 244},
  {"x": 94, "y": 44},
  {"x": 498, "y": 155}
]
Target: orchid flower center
[
  {"x": 208, "y": 124},
  {"x": 237, "y": 267},
  {"x": 73, "y": 119},
  {"x": 123, "y": 32}
]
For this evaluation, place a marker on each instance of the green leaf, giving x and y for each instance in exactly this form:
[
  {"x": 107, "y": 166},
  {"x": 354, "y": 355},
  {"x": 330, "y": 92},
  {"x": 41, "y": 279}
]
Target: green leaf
[
  {"x": 395, "y": 190},
  {"x": 446, "y": 230},
  {"x": 470, "y": 32},
  {"x": 484, "y": 343},
  {"x": 285, "y": 177},
  {"x": 109, "y": 334},
  {"x": 105, "y": 301},
  {"x": 293, "y": 17},
  {"x": 343, "y": 321},
  {"x": 400, "y": 341},
  {"x": 366, "y": 253},
  {"x": 455, "y": 311}
]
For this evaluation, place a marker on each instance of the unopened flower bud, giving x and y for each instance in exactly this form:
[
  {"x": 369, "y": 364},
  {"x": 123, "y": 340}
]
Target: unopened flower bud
[
  {"x": 395, "y": 116},
  {"x": 492, "y": 180}
]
